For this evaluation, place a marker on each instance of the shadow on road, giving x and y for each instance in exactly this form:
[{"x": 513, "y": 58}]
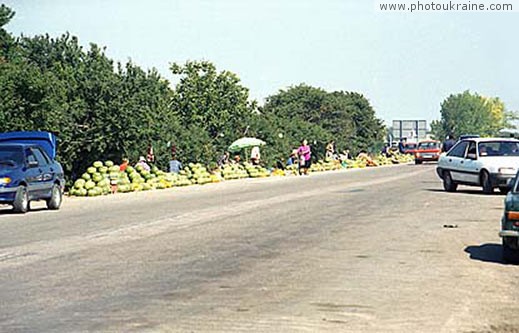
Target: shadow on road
[
  {"x": 486, "y": 252},
  {"x": 466, "y": 191},
  {"x": 9, "y": 211}
]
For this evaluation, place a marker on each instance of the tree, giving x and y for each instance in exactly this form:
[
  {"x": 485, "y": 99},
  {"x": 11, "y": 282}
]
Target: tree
[
  {"x": 6, "y": 40},
  {"x": 303, "y": 111},
  {"x": 470, "y": 113},
  {"x": 52, "y": 84},
  {"x": 214, "y": 103}
]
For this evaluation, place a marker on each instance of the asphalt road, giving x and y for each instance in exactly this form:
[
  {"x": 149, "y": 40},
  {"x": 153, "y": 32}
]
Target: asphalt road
[{"x": 356, "y": 251}]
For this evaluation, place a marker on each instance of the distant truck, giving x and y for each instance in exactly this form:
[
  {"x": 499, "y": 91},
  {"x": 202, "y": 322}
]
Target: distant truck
[{"x": 29, "y": 171}]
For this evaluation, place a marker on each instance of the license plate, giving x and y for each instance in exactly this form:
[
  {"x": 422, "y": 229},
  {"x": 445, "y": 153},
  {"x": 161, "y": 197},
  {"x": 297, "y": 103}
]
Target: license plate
[{"x": 427, "y": 156}]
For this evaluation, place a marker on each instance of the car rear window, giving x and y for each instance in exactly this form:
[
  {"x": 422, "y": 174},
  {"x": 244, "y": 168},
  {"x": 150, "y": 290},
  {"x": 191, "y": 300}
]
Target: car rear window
[
  {"x": 10, "y": 156},
  {"x": 428, "y": 145},
  {"x": 498, "y": 148}
]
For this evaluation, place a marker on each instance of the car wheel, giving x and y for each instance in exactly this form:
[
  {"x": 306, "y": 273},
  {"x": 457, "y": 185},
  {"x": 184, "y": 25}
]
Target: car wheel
[
  {"x": 56, "y": 197},
  {"x": 448, "y": 184},
  {"x": 486, "y": 183},
  {"x": 510, "y": 255},
  {"x": 21, "y": 200},
  {"x": 504, "y": 189},
  {"x": 417, "y": 162}
]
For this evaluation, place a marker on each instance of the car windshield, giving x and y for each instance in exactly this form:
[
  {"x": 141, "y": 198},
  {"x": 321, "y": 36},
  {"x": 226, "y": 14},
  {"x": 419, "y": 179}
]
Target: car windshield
[
  {"x": 428, "y": 145},
  {"x": 10, "y": 157},
  {"x": 498, "y": 148}
]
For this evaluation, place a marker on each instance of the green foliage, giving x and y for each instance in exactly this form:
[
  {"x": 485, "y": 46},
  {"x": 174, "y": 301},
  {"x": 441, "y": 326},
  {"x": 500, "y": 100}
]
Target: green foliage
[
  {"x": 319, "y": 116},
  {"x": 96, "y": 111},
  {"x": 6, "y": 14},
  {"x": 468, "y": 113},
  {"x": 212, "y": 106},
  {"x": 103, "y": 110}
]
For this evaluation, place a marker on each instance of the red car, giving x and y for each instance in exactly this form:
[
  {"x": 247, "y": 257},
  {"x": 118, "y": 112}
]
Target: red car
[
  {"x": 427, "y": 151},
  {"x": 409, "y": 148}
]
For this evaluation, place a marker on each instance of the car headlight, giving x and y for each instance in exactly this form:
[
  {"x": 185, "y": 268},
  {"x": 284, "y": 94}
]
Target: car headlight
[
  {"x": 507, "y": 171},
  {"x": 5, "y": 180}
]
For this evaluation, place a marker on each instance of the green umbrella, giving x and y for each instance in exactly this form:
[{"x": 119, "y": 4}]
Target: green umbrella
[{"x": 245, "y": 143}]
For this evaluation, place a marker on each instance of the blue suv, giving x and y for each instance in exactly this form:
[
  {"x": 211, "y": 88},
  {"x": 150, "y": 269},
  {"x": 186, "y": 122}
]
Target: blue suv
[{"x": 29, "y": 171}]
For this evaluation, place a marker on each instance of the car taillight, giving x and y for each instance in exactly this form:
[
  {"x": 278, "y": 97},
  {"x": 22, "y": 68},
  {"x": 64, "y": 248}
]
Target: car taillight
[{"x": 513, "y": 216}]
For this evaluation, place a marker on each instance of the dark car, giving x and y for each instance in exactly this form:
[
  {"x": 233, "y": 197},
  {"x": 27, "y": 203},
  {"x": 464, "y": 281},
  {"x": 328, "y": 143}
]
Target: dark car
[
  {"x": 510, "y": 223},
  {"x": 28, "y": 172}
]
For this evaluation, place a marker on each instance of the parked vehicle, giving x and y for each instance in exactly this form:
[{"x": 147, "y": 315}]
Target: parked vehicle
[
  {"x": 510, "y": 224},
  {"x": 29, "y": 171},
  {"x": 410, "y": 147},
  {"x": 488, "y": 162},
  {"x": 428, "y": 150},
  {"x": 468, "y": 136}
]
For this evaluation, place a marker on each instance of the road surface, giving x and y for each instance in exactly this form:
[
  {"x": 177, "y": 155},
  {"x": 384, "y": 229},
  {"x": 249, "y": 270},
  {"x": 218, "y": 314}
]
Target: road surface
[{"x": 372, "y": 250}]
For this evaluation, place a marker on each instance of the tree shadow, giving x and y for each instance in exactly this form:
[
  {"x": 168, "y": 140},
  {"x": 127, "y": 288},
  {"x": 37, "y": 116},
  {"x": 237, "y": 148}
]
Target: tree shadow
[{"x": 487, "y": 253}]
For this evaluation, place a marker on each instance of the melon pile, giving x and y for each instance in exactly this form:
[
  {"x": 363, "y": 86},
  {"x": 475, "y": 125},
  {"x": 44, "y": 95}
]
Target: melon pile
[
  {"x": 256, "y": 171},
  {"x": 105, "y": 178},
  {"x": 196, "y": 173},
  {"x": 234, "y": 171},
  {"x": 96, "y": 180}
]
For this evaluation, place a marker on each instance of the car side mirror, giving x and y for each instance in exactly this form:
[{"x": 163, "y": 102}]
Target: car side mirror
[
  {"x": 32, "y": 164},
  {"x": 472, "y": 156}
]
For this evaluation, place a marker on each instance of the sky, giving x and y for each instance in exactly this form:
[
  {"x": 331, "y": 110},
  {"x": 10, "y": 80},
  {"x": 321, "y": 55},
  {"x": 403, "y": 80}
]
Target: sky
[{"x": 406, "y": 64}]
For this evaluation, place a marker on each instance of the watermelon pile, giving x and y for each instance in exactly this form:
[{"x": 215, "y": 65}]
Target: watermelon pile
[
  {"x": 96, "y": 180},
  {"x": 234, "y": 171},
  {"x": 197, "y": 174},
  {"x": 105, "y": 178},
  {"x": 256, "y": 171}
]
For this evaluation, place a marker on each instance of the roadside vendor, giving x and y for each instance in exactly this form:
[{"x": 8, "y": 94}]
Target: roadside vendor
[
  {"x": 142, "y": 162},
  {"x": 124, "y": 164}
]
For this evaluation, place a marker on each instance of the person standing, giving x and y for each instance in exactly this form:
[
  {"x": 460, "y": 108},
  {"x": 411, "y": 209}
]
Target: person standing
[
  {"x": 174, "y": 165},
  {"x": 401, "y": 146},
  {"x": 330, "y": 150},
  {"x": 255, "y": 155},
  {"x": 223, "y": 160},
  {"x": 305, "y": 157},
  {"x": 448, "y": 144},
  {"x": 150, "y": 155}
]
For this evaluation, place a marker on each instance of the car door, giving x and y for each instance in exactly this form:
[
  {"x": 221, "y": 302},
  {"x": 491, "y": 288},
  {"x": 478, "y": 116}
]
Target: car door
[
  {"x": 33, "y": 175},
  {"x": 469, "y": 165},
  {"x": 47, "y": 176},
  {"x": 453, "y": 161}
]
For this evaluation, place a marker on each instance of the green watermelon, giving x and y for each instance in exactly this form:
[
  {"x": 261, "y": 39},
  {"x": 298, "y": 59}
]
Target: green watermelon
[{"x": 79, "y": 183}]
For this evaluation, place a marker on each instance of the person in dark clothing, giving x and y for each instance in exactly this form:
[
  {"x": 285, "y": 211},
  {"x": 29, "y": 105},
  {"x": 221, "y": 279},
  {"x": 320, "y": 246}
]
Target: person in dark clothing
[
  {"x": 401, "y": 146},
  {"x": 448, "y": 144},
  {"x": 385, "y": 150}
]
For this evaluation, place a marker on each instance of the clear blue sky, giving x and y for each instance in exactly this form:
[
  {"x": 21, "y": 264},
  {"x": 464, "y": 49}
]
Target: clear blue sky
[{"x": 405, "y": 64}]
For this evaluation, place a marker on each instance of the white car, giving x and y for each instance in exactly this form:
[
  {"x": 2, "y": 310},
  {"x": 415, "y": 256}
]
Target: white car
[{"x": 485, "y": 162}]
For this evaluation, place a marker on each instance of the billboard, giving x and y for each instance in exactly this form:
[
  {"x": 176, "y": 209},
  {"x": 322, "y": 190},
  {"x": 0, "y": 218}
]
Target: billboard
[{"x": 412, "y": 130}]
